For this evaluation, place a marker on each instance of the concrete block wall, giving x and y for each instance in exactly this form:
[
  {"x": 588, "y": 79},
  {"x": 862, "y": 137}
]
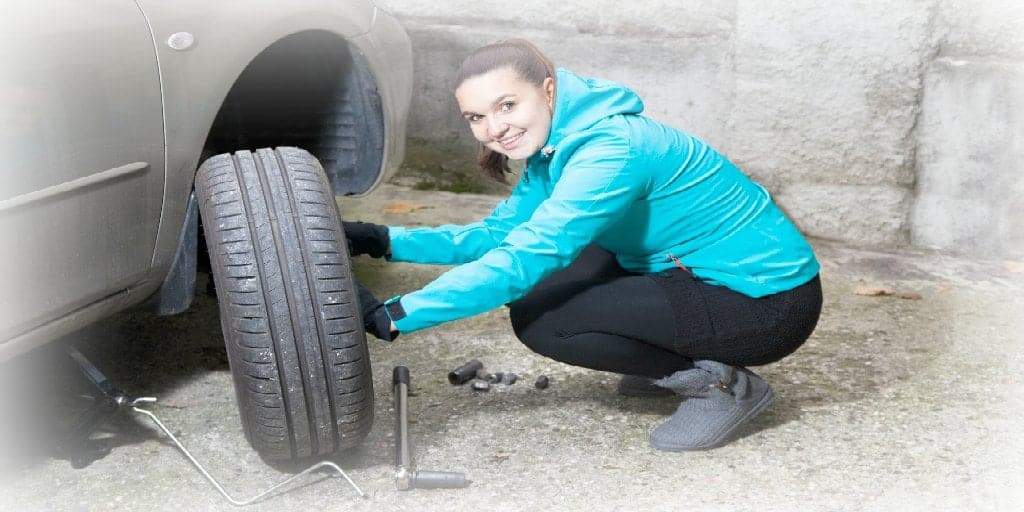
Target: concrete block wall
[
  {"x": 842, "y": 110},
  {"x": 826, "y": 103},
  {"x": 970, "y": 192}
]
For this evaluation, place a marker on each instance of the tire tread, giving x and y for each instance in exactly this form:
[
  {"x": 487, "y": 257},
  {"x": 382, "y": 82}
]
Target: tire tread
[{"x": 300, "y": 365}]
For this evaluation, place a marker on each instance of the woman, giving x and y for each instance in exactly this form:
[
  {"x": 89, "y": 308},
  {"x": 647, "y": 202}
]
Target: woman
[{"x": 627, "y": 246}]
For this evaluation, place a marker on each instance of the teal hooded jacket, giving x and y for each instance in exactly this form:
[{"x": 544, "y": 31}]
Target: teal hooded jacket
[{"x": 654, "y": 196}]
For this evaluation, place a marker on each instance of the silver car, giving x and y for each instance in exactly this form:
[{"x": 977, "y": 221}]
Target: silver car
[{"x": 107, "y": 110}]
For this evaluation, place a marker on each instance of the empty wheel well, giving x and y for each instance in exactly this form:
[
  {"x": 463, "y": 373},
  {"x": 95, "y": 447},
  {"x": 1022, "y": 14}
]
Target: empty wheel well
[{"x": 311, "y": 90}]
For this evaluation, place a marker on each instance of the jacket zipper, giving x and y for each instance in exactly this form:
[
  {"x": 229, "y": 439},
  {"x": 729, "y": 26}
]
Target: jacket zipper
[{"x": 677, "y": 262}]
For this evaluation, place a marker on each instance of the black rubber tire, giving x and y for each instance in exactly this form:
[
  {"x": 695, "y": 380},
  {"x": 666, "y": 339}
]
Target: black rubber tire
[{"x": 288, "y": 309}]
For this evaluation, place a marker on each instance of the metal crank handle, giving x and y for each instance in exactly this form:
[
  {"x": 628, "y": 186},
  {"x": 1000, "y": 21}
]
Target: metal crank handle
[
  {"x": 438, "y": 480},
  {"x": 406, "y": 477},
  {"x": 136, "y": 406}
]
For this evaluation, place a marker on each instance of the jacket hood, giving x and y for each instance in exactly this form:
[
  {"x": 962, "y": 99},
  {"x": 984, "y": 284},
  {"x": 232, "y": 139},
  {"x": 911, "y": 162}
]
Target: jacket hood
[{"x": 580, "y": 102}]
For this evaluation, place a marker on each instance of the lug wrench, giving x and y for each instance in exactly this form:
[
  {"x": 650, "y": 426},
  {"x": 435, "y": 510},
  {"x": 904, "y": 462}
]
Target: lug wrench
[{"x": 406, "y": 476}]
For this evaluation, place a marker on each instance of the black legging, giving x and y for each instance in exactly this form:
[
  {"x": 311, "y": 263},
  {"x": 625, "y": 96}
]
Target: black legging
[{"x": 597, "y": 315}]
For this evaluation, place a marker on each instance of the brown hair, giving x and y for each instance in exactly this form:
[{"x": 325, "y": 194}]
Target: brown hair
[{"x": 527, "y": 61}]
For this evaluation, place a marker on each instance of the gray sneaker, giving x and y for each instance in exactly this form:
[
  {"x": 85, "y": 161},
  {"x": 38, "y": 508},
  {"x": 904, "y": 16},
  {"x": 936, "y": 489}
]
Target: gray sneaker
[
  {"x": 718, "y": 399},
  {"x": 638, "y": 385}
]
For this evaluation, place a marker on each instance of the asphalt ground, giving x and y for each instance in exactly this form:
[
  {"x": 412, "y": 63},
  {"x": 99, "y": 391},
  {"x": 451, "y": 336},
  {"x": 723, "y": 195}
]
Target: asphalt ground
[{"x": 907, "y": 396}]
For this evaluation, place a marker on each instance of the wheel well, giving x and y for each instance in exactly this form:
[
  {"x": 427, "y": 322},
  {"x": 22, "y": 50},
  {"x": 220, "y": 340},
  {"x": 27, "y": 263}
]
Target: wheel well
[
  {"x": 311, "y": 90},
  {"x": 315, "y": 91}
]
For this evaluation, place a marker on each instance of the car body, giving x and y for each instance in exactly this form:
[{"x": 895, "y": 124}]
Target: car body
[{"x": 108, "y": 107}]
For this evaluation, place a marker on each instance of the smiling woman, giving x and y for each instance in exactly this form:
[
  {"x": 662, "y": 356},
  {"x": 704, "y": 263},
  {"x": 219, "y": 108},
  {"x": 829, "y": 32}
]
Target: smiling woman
[
  {"x": 627, "y": 246},
  {"x": 507, "y": 94},
  {"x": 514, "y": 123}
]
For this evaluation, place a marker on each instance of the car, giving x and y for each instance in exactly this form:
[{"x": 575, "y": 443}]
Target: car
[{"x": 137, "y": 135}]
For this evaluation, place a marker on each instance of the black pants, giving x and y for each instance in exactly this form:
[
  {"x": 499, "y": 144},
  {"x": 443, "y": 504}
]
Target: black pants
[{"x": 597, "y": 315}]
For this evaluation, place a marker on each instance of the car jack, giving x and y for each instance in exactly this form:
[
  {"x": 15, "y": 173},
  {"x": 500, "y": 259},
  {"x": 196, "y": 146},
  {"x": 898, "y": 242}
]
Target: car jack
[
  {"x": 78, "y": 446},
  {"x": 82, "y": 451}
]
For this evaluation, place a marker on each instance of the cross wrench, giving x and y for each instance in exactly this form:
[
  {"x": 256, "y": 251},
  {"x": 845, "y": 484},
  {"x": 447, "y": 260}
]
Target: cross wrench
[{"x": 406, "y": 476}]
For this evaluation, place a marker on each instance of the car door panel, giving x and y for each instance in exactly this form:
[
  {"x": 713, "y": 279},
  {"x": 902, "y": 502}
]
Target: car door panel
[{"x": 82, "y": 166}]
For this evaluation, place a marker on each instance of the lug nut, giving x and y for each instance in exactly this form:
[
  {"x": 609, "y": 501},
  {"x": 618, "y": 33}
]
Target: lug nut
[
  {"x": 464, "y": 373},
  {"x": 509, "y": 378}
]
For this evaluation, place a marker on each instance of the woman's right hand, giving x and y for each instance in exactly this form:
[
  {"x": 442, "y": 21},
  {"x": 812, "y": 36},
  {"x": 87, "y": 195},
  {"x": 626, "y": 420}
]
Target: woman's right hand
[{"x": 367, "y": 238}]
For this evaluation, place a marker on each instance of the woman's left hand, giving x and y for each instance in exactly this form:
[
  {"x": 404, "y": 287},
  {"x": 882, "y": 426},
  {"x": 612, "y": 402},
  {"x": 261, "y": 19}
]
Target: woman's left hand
[{"x": 375, "y": 318}]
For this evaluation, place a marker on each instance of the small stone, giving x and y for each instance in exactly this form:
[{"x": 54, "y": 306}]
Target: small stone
[
  {"x": 542, "y": 382},
  {"x": 481, "y": 385}
]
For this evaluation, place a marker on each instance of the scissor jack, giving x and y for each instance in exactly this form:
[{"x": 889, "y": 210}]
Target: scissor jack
[{"x": 82, "y": 451}]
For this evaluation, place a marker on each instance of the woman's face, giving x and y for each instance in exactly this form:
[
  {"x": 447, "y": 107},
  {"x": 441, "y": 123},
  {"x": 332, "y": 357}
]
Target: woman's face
[{"x": 506, "y": 113}]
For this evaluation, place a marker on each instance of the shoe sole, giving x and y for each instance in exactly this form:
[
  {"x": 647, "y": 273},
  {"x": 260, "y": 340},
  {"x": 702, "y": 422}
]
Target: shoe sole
[{"x": 723, "y": 438}]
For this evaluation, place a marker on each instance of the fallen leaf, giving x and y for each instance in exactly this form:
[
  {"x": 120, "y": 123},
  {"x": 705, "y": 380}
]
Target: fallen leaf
[
  {"x": 403, "y": 207},
  {"x": 870, "y": 290},
  {"x": 1014, "y": 267},
  {"x": 499, "y": 457},
  {"x": 865, "y": 289}
]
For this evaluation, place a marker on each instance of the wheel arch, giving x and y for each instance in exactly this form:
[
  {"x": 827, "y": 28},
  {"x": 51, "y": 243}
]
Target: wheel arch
[{"x": 313, "y": 89}]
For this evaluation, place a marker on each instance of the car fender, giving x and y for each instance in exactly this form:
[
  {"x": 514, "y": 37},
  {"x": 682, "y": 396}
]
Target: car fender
[{"x": 203, "y": 47}]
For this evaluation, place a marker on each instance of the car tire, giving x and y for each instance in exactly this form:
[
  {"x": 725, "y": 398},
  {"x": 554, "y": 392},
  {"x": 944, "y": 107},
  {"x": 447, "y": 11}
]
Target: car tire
[{"x": 295, "y": 340}]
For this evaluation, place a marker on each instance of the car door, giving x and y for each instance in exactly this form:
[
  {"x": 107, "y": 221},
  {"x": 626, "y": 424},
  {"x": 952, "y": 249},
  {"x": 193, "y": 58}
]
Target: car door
[{"x": 81, "y": 157}]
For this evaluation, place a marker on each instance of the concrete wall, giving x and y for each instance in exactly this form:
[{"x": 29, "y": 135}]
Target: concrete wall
[
  {"x": 865, "y": 119},
  {"x": 970, "y": 193}
]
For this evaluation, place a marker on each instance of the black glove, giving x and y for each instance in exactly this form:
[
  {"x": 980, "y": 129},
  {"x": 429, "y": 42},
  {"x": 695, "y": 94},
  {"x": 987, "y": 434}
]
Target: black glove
[
  {"x": 375, "y": 318},
  {"x": 367, "y": 238}
]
